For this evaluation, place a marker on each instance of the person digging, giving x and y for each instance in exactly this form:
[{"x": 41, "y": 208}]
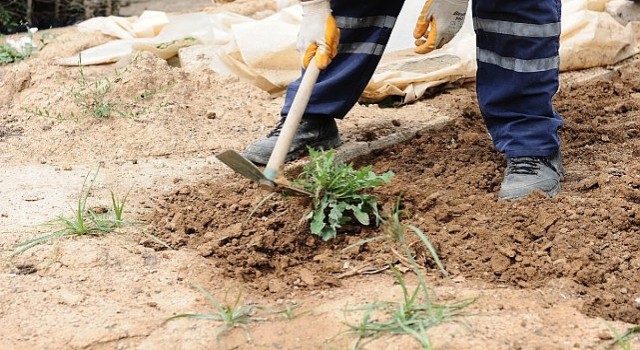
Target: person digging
[{"x": 517, "y": 46}]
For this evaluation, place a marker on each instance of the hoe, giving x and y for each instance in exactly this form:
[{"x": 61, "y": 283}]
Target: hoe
[{"x": 271, "y": 178}]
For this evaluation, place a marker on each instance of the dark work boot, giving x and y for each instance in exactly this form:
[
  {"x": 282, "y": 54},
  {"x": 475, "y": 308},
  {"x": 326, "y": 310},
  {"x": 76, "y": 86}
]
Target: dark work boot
[
  {"x": 314, "y": 132},
  {"x": 526, "y": 174}
]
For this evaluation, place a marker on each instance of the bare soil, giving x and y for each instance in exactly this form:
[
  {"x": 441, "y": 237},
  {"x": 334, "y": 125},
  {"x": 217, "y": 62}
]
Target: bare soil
[{"x": 547, "y": 273}]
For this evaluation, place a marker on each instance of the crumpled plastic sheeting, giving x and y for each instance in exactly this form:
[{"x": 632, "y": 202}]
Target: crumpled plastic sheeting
[
  {"x": 593, "y": 35},
  {"x": 156, "y": 32},
  {"x": 263, "y": 53}
]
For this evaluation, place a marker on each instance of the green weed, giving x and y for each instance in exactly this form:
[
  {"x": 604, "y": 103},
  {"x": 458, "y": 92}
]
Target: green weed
[
  {"x": 415, "y": 313},
  {"x": 118, "y": 208},
  {"x": 258, "y": 206},
  {"x": 96, "y": 98},
  {"x": 394, "y": 228},
  {"x": 338, "y": 190},
  {"x": 624, "y": 340},
  {"x": 158, "y": 240},
  {"x": 41, "y": 112},
  {"x": 288, "y": 312},
  {"x": 83, "y": 221},
  {"x": 91, "y": 97},
  {"x": 230, "y": 315},
  {"x": 18, "y": 50}
]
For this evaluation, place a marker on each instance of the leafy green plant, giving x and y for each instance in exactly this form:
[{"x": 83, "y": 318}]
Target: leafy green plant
[
  {"x": 83, "y": 220},
  {"x": 338, "y": 190},
  {"x": 230, "y": 315},
  {"x": 17, "y": 50}
]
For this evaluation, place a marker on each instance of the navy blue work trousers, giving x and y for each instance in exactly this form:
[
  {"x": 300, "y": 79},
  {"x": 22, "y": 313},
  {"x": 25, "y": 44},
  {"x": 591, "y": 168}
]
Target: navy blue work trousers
[{"x": 518, "y": 65}]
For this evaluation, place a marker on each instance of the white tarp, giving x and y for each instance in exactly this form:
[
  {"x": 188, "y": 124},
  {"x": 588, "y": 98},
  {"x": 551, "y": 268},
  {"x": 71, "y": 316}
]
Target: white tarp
[{"x": 594, "y": 33}]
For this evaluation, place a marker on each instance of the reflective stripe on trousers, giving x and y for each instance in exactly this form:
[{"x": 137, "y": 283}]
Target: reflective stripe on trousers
[{"x": 518, "y": 64}]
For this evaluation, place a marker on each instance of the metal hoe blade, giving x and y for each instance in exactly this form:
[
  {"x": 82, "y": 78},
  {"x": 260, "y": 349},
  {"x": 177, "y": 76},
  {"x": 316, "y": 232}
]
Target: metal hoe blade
[
  {"x": 246, "y": 168},
  {"x": 269, "y": 178}
]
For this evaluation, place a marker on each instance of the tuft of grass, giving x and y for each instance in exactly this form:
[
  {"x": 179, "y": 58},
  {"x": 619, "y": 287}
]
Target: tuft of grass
[
  {"x": 288, "y": 312},
  {"x": 259, "y": 205},
  {"x": 96, "y": 98},
  {"x": 624, "y": 339},
  {"x": 92, "y": 97},
  {"x": 416, "y": 312},
  {"x": 118, "y": 209},
  {"x": 83, "y": 221},
  {"x": 338, "y": 193},
  {"x": 394, "y": 229},
  {"x": 230, "y": 315},
  {"x": 413, "y": 315},
  {"x": 158, "y": 240}
]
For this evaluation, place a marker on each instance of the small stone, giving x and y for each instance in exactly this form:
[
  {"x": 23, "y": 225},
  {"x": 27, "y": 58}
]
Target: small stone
[
  {"x": 213, "y": 114},
  {"x": 605, "y": 335},
  {"x": 66, "y": 167},
  {"x": 32, "y": 198}
]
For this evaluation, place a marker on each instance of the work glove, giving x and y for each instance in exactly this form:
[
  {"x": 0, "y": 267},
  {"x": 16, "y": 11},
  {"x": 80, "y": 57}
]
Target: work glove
[
  {"x": 319, "y": 36},
  {"x": 438, "y": 23}
]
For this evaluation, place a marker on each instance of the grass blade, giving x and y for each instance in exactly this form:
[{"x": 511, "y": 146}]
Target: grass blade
[{"x": 429, "y": 247}]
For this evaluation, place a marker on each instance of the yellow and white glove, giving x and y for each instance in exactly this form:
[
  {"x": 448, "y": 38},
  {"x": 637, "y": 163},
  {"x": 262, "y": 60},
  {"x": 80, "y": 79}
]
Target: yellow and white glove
[
  {"x": 439, "y": 22},
  {"x": 319, "y": 34}
]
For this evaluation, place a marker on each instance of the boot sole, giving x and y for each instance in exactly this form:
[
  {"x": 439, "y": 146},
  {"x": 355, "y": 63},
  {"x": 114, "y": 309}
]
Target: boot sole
[{"x": 551, "y": 193}]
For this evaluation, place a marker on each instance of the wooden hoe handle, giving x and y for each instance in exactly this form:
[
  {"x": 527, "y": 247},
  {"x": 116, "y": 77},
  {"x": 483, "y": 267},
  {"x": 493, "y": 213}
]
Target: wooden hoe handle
[{"x": 291, "y": 123}]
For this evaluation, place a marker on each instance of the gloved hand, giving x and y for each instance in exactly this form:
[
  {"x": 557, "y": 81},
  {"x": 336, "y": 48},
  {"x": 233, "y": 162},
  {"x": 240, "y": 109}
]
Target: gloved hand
[
  {"x": 438, "y": 23},
  {"x": 318, "y": 35}
]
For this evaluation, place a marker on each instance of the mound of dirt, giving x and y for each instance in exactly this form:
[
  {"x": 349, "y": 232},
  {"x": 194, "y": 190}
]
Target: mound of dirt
[
  {"x": 266, "y": 245},
  {"x": 448, "y": 180}
]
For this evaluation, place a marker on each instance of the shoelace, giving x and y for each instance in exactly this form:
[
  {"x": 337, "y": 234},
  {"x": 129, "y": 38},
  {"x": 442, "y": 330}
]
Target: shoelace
[
  {"x": 526, "y": 165},
  {"x": 277, "y": 129}
]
